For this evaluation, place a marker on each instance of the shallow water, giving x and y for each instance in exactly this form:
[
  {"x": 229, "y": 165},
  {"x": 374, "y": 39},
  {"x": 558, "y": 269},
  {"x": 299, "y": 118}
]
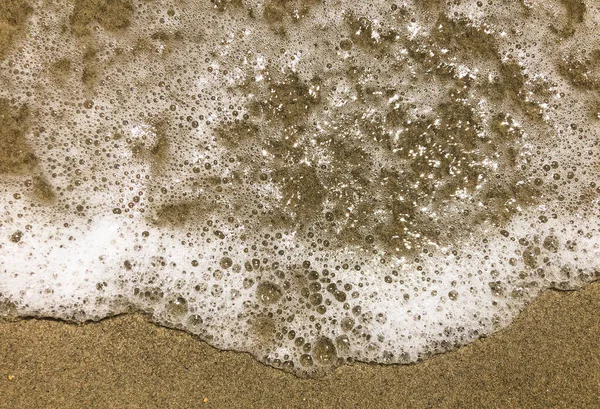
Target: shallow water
[{"x": 312, "y": 182}]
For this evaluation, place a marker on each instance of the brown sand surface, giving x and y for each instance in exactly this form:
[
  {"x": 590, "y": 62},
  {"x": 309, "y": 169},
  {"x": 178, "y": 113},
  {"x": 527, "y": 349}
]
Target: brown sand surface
[{"x": 549, "y": 358}]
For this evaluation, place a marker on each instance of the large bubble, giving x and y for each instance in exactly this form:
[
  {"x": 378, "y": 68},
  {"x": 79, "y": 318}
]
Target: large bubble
[{"x": 312, "y": 182}]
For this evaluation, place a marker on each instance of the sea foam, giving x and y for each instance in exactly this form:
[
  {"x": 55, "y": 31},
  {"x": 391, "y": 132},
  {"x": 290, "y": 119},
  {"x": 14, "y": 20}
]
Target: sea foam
[{"x": 313, "y": 182}]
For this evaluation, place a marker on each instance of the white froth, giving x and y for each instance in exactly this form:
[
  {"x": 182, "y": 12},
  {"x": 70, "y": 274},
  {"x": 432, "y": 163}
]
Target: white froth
[{"x": 157, "y": 204}]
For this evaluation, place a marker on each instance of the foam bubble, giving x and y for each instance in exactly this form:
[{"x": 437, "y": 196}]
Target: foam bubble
[{"x": 310, "y": 186}]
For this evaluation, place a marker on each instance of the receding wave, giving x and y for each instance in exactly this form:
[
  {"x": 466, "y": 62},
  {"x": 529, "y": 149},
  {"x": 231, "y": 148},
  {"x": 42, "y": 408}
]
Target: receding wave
[{"x": 313, "y": 182}]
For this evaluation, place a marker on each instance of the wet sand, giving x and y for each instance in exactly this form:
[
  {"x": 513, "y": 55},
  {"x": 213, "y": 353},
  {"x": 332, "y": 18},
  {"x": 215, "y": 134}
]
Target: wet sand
[{"x": 549, "y": 358}]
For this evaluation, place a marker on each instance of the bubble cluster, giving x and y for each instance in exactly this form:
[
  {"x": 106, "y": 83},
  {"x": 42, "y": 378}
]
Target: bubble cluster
[{"x": 312, "y": 186}]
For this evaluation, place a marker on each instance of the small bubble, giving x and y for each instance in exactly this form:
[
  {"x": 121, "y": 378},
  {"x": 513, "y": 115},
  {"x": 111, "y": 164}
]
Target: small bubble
[
  {"x": 177, "y": 307},
  {"x": 306, "y": 360},
  {"x": 226, "y": 262},
  {"x": 342, "y": 343},
  {"x": 347, "y": 324},
  {"x": 268, "y": 293},
  {"x": 315, "y": 299},
  {"x": 324, "y": 351}
]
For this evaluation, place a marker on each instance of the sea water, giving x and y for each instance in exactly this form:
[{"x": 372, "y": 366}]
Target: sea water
[{"x": 313, "y": 182}]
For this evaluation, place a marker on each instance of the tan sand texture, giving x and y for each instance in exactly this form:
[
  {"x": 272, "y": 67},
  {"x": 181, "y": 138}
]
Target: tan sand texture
[{"x": 549, "y": 358}]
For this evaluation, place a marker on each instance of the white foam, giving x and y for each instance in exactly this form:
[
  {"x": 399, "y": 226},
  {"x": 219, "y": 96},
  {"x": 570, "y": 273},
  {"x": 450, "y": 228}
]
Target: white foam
[{"x": 145, "y": 180}]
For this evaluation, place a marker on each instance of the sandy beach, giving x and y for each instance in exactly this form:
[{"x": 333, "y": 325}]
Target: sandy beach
[
  {"x": 549, "y": 358},
  {"x": 103, "y": 64}
]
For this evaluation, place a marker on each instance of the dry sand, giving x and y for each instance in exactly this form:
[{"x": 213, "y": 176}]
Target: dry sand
[{"x": 549, "y": 358}]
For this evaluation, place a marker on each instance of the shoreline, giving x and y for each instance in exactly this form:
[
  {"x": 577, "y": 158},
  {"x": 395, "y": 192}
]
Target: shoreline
[{"x": 549, "y": 357}]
